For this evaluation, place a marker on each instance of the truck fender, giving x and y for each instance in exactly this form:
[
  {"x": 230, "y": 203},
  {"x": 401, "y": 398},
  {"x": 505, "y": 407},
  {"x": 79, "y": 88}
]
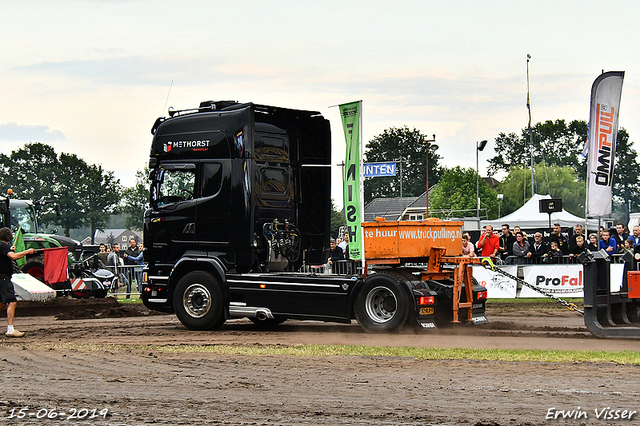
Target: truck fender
[{"x": 352, "y": 298}]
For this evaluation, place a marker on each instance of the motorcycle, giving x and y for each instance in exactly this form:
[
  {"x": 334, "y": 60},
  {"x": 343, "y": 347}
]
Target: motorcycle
[{"x": 88, "y": 279}]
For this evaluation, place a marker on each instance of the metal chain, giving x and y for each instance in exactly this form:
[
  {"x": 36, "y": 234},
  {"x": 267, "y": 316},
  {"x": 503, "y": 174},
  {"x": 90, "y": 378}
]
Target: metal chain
[{"x": 488, "y": 263}]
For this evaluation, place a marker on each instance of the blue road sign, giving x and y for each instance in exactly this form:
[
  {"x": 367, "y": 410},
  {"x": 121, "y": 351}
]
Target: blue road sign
[{"x": 379, "y": 169}]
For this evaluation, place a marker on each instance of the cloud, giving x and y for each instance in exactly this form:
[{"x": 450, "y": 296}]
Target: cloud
[
  {"x": 14, "y": 132},
  {"x": 141, "y": 70},
  {"x": 106, "y": 50},
  {"x": 126, "y": 71}
]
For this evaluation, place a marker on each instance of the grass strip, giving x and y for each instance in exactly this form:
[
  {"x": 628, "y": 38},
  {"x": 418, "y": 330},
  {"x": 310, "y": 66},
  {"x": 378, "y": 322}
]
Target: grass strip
[{"x": 516, "y": 355}]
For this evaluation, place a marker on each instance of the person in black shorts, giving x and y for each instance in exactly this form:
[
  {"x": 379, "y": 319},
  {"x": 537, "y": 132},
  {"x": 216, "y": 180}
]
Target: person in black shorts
[{"x": 7, "y": 294}]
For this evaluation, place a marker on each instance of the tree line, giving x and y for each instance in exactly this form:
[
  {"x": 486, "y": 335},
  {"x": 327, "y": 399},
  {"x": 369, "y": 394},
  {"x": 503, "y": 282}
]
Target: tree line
[
  {"x": 87, "y": 194},
  {"x": 559, "y": 170}
]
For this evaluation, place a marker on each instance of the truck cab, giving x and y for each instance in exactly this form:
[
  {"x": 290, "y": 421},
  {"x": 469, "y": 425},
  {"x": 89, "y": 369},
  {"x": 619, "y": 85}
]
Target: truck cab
[{"x": 220, "y": 173}]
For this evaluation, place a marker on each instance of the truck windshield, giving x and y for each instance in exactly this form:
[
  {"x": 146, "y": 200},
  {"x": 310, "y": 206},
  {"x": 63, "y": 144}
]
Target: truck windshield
[
  {"x": 23, "y": 217},
  {"x": 172, "y": 186}
]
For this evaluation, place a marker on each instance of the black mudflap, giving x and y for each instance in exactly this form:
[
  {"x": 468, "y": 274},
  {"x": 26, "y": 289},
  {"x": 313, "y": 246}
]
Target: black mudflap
[
  {"x": 444, "y": 305},
  {"x": 478, "y": 315},
  {"x": 424, "y": 312}
]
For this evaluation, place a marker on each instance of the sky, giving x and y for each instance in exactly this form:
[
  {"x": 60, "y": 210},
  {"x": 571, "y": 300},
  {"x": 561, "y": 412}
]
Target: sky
[{"x": 90, "y": 77}]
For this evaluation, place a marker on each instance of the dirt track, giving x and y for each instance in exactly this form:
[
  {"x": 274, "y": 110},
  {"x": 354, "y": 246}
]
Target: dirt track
[{"x": 146, "y": 387}]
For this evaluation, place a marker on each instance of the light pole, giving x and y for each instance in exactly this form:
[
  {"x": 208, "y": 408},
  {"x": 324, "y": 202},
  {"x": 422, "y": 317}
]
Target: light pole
[
  {"x": 427, "y": 151},
  {"x": 400, "y": 161},
  {"x": 530, "y": 134},
  {"x": 479, "y": 147},
  {"x": 500, "y": 197}
]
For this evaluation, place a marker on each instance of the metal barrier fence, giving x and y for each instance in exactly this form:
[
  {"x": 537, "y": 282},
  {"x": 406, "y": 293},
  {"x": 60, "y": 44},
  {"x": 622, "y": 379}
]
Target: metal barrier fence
[
  {"x": 551, "y": 260},
  {"x": 339, "y": 267},
  {"x": 126, "y": 276}
]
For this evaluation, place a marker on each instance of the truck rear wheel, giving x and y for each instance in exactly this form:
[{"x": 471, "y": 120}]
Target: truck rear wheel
[
  {"x": 382, "y": 305},
  {"x": 197, "y": 300}
]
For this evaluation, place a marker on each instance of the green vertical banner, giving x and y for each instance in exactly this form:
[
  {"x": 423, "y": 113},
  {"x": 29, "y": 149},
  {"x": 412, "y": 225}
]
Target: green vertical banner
[
  {"x": 350, "y": 114},
  {"x": 18, "y": 243}
]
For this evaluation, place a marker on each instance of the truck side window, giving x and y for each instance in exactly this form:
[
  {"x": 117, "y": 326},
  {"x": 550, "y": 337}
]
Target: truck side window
[
  {"x": 211, "y": 179},
  {"x": 274, "y": 182},
  {"x": 176, "y": 185}
]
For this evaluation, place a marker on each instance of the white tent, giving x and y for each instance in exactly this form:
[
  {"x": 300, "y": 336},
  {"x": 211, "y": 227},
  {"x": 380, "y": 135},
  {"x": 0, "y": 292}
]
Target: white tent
[{"x": 529, "y": 217}]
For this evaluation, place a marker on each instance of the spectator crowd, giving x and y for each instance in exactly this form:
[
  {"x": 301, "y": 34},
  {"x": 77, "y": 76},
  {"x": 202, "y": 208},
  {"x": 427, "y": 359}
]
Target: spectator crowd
[
  {"x": 126, "y": 264},
  {"x": 516, "y": 247}
]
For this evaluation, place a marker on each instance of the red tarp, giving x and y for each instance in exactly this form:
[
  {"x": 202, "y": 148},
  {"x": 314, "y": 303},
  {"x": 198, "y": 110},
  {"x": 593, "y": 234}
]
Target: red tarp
[{"x": 55, "y": 265}]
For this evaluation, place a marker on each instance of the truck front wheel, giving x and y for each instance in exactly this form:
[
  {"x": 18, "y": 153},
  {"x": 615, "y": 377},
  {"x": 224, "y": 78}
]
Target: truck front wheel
[
  {"x": 382, "y": 305},
  {"x": 197, "y": 301}
]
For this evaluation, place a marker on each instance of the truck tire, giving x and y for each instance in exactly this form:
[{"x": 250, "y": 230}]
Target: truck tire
[
  {"x": 197, "y": 301},
  {"x": 382, "y": 304}
]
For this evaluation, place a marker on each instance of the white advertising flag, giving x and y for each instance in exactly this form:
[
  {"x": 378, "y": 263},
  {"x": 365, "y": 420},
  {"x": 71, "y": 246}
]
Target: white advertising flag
[{"x": 603, "y": 129}]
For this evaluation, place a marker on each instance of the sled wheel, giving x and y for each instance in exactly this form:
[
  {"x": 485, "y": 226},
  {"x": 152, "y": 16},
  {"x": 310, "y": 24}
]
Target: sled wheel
[
  {"x": 382, "y": 304},
  {"x": 197, "y": 300},
  {"x": 35, "y": 269},
  {"x": 81, "y": 294}
]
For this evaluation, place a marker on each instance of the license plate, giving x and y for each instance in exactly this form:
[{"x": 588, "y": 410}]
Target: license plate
[{"x": 426, "y": 311}]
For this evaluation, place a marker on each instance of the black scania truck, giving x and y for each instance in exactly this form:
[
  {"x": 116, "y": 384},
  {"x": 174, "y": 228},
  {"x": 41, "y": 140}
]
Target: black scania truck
[{"x": 240, "y": 208}]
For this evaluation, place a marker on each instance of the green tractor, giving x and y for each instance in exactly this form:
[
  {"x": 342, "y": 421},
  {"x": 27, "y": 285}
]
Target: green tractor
[{"x": 23, "y": 214}]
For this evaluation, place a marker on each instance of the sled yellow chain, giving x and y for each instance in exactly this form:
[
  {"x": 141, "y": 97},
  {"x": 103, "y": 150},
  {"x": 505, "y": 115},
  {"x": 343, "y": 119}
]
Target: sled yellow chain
[{"x": 488, "y": 263}]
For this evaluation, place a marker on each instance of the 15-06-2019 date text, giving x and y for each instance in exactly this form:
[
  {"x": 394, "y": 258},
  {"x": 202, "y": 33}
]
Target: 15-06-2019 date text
[{"x": 53, "y": 413}]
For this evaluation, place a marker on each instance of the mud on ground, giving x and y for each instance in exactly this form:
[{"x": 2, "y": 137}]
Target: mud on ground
[{"x": 140, "y": 387}]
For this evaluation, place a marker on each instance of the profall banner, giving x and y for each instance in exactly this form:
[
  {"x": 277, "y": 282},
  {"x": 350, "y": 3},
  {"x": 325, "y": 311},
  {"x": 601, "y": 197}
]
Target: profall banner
[
  {"x": 560, "y": 280},
  {"x": 350, "y": 114},
  {"x": 603, "y": 130}
]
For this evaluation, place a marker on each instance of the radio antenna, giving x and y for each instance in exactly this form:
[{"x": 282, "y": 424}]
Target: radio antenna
[{"x": 167, "y": 100}]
